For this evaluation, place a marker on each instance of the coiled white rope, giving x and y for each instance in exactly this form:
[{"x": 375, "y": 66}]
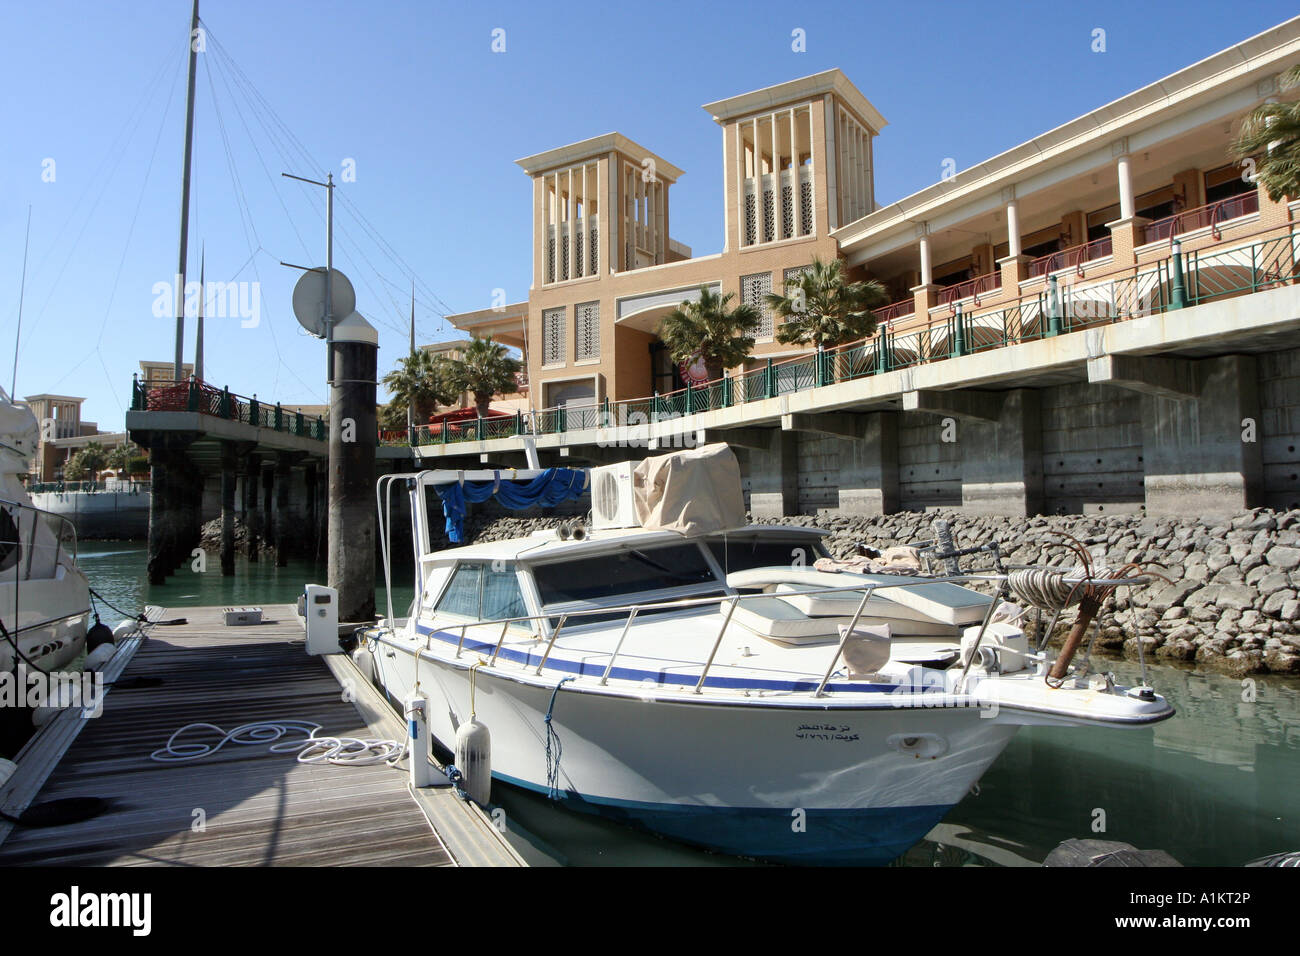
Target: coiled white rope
[
  {"x": 341, "y": 751},
  {"x": 1047, "y": 589}
]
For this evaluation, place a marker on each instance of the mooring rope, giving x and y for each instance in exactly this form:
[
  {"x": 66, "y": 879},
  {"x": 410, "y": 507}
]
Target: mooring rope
[
  {"x": 1046, "y": 588},
  {"x": 553, "y": 748},
  {"x": 341, "y": 751}
]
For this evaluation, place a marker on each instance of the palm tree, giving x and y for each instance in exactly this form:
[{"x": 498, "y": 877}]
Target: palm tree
[
  {"x": 822, "y": 309},
  {"x": 709, "y": 330},
  {"x": 485, "y": 369},
  {"x": 1272, "y": 131},
  {"x": 120, "y": 456},
  {"x": 422, "y": 381}
]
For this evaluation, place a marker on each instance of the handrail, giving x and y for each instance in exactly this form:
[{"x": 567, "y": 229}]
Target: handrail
[
  {"x": 971, "y": 287},
  {"x": 1135, "y": 290},
  {"x": 196, "y": 395},
  {"x": 1211, "y": 214},
  {"x": 67, "y": 531},
  {"x": 733, "y": 600},
  {"x": 1076, "y": 256}
]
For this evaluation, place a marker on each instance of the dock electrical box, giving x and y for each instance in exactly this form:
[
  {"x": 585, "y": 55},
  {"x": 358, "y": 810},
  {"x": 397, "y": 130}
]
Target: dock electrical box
[
  {"x": 242, "y": 616},
  {"x": 320, "y": 615}
]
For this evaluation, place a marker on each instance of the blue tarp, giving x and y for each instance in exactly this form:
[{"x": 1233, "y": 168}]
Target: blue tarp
[{"x": 549, "y": 488}]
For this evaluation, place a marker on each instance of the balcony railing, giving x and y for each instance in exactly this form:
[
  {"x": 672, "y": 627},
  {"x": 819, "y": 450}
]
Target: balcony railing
[
  {"x": 198, "y": 396},
  {"x": 1074, "y": 257},
  {"x": 1270, "y": 261},
  {"x": 895, "y": 310},
  {"x": 1211, "y": 214},
  {"x": 978, "y": 286}
]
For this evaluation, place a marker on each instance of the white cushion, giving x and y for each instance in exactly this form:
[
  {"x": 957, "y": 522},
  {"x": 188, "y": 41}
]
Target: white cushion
[{"x": 776, "y": 620}]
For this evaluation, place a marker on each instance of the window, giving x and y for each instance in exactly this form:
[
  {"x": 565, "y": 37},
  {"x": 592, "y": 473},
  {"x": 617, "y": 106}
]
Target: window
[
  {"x": 462, "y": 595},
  {"x": 623, "y": 574},
  {"x": 484, "y": 592},
  {"x": 501, "y": 595},
  {"x": 753, "y": 290},
  {"x": 743, "y": 552},
  {"x": 586, "y": 325},
  {"x": 553, "y": 351}
]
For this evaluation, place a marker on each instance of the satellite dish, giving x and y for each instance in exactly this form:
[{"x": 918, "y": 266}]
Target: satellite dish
[{"x": 309, "y": 299}]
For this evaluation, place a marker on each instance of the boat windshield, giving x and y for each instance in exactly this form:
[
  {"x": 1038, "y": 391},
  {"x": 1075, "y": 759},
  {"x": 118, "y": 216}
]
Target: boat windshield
[
  {"x": 740, "y": 552},
  {"x": 623, "y": 576}
]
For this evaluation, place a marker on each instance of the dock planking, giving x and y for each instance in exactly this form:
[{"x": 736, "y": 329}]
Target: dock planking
[{"x": 258, "y": 808}]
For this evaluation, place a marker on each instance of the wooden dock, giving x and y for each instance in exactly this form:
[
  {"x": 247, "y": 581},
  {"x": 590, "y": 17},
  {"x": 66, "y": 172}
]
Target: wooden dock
[{"x": 244, "y": 805}]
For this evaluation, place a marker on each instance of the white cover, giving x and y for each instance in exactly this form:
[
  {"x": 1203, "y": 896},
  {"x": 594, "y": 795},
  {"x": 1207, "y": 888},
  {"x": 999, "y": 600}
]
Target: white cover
[{"x": 690, "y": 492}]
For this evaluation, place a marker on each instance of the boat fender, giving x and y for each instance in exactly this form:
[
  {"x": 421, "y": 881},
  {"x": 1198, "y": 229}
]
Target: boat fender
[
  {"x": 100, "y": 656},
  {"x": 7, "y": 769},
  {"x": 123, "y": 630},
  {"x": 474, "y": 759},
  {"x": 98, "y": 635}
]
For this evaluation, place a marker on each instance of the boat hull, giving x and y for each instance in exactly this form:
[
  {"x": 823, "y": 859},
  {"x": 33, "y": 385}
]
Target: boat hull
[{"x": 788, "y": 781}]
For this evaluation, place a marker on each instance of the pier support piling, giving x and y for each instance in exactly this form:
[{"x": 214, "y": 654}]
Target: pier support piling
[
  {"x": 227, "y": 511},
  {"x": 353, "y": 440}
]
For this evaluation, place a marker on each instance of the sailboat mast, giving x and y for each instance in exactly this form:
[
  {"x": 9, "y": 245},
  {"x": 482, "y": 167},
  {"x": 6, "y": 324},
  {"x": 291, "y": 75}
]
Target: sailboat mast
[
  {"x": 22, "y": 290},
  {"x": 185, "y": 198},
  {"x": 198, "y": 332}
]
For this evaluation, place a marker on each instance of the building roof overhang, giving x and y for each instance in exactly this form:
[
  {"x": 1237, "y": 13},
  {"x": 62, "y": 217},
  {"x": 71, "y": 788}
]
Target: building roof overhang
[
  {"x": 805, "y": 88},
  {"x": 573, "y": 154},
  {"x": 1260, "y": 57}
]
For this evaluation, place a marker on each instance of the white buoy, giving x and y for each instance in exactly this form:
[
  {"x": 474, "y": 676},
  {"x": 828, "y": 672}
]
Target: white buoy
[
  {"x": 474, "y": 760},
  {"x": 100, "y": 656},
  {"x": 416, "y": 708},
  {"x": 7, "y": 769},
  {"x": 124, "y": 630}
]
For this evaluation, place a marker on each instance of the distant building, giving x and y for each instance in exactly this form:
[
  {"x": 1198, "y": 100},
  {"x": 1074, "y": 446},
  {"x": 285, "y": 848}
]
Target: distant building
[
  {"x": 62, "y": 432},
  {"x": 507, "y": 331},
  {"x": 164, "y": 371}
]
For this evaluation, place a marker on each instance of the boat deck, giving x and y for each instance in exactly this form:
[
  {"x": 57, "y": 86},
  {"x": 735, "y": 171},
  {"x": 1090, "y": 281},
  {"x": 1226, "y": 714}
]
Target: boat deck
[{"x": 244, "y": 805}]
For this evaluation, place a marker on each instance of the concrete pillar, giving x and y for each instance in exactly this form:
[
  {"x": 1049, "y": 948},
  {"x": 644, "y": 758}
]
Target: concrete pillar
[
  {"x": 270, "y": 532},
  {"x": 1013, "y": 228},
  {"x": 227, "y": 511},
  {"x": 774, "y": 477},
  {"x": 283, "y": 536},
  {"x": 1194, "y": 449},
  {"x": 1002, "y": 460},
  {"x": 310, "y": 492},
  {"x": 869, "y": 467},
  {"x": 353, "y": 437},
  {"x": 927, "y": 272},
  {"x": 161, "y": 556},
  {"x": 1122, "y": 170},
  {"x": 252, "y": 513}
]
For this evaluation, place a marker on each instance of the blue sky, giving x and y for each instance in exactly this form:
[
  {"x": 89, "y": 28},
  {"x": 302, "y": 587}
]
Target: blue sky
[{"x": 432, "y": 120}]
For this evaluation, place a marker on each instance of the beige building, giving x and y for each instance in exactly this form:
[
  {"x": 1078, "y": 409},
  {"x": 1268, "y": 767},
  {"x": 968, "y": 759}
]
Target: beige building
[
  {"x": 156, "y": 372},
  {"x": 62, "y": 432},
  {"x": 1103, "y": 193}
]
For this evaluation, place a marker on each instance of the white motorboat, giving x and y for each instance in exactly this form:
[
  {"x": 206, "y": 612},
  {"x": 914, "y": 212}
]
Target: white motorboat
[
  {"x": 44, "y": 596},
  {"x": 713, "y": 688}
]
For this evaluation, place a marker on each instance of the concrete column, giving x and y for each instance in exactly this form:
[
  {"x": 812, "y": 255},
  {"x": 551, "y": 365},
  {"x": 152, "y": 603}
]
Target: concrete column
[
  {"x": 927, "y": 272},
  {"x": 161, "y": 556},
  {"x": 270, "y": 527},
  {"x": 353, "y": 438},
  {"x": 869, "y": 467},
  {"x": 1126, "y": 210},
  {"x": 1013, "y": 228},
  {"x": 774, "y": 477},
  {"x": 1197, "y": 462},
  {"x": 252, "y": 513},
  {"x": 283, "y": 536},
  {"x": 227, "y": 511},
  {"x": 1002, "y": 460}
]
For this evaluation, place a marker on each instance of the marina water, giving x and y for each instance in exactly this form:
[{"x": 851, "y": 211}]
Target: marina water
[{"x": 1215, "y": 785}]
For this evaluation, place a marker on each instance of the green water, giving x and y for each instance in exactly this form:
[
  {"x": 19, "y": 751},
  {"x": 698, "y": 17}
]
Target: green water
[{"x": 1219, "y": 784}]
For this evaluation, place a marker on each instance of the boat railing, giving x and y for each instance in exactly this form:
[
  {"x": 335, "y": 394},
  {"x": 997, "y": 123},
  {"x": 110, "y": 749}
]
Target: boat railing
[
  {"x": 24, "y": 539},
  {"x": 557, "y": 620}
]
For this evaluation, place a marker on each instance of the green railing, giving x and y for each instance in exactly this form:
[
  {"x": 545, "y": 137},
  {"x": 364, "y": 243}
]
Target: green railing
[
  {"x": 1172, "y": 283},
  {"x": 196, "y": 396}
]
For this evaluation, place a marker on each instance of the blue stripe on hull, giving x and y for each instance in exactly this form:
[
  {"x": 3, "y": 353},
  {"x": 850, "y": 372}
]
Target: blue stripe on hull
[{"x": 868, "y": 837}]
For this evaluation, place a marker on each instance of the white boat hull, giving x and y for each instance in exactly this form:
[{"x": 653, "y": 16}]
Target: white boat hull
[{"x": 794, "y": 782}]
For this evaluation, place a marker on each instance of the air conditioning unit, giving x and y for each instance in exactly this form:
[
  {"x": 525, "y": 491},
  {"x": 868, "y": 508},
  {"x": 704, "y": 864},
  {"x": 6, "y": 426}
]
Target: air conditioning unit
[{"x": 612, "y": 505}]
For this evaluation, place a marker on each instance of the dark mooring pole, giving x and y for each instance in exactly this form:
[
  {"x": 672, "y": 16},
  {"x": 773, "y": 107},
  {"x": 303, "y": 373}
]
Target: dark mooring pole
[{"x": 354, "y": 355}]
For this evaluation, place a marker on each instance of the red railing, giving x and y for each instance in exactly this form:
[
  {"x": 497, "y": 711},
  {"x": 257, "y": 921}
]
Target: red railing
[
  {"x": 1073, "y": 257},
  {"x": 978, "y": 286},
  {"x": 895, "y": 310},
  {"x": 1210, "y": 215}
]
